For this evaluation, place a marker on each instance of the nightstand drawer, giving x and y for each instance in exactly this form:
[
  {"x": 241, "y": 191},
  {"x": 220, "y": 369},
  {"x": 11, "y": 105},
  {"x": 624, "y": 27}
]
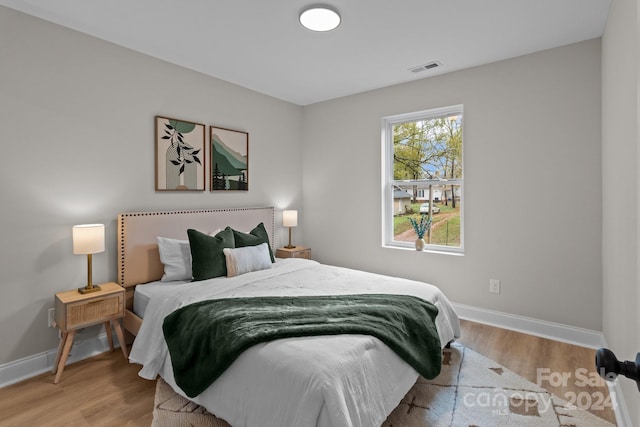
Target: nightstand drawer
[
  {"x": 95, "y": 311},
  {"x": 295, "y": 252},
  {"x": 302, "y": 254}
]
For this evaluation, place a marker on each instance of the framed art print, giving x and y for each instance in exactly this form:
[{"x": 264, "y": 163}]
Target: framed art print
[
  {"x": 229, "y": 159},
  {"x": 180, "y": 155}
]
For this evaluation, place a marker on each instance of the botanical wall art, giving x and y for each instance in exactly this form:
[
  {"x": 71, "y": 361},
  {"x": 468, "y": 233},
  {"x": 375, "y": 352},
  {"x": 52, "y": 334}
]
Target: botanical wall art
[
  {"x": 180, "y": 155},
  {"x": 229, "y": 159}
]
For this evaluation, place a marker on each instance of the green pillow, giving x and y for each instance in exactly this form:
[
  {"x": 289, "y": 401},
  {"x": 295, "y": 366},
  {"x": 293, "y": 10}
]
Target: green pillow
[
  {"x": 207, "y": 259},
  {"x": 255, "y": 237}
]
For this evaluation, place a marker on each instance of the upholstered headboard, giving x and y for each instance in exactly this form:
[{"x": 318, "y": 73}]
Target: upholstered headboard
[{"x": 138, "y": 257}]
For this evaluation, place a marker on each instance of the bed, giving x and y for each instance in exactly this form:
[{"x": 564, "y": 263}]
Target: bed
[{"x": 337, "y": 380}]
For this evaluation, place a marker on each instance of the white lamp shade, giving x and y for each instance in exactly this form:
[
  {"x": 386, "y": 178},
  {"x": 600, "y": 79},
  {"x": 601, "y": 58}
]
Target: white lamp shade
[
  {"x": 88, "y": 238},
  {"x": 290, "y": 218}
]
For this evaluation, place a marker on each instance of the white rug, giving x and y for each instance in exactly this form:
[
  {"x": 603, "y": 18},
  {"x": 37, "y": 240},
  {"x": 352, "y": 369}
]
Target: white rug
[{"x": 471, "y": 391}]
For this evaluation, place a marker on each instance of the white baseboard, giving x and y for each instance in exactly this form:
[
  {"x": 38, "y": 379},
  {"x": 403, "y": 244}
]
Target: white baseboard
[
  {"x": 30, "y": 366},
  {"x": 541, "y": 328}
]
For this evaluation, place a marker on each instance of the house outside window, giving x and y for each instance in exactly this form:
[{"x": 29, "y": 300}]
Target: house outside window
[{"x": 423, "y": 175}]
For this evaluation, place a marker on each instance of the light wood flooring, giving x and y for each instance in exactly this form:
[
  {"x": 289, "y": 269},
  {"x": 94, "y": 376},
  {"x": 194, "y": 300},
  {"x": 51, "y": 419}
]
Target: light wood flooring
[{"x": 106, "y": 390}]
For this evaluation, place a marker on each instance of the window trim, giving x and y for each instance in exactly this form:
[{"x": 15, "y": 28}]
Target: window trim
[{"x": 388, "y": 182}]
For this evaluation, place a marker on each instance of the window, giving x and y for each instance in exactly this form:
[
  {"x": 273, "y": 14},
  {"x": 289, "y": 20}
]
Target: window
[{"x": 423, "y": 175}]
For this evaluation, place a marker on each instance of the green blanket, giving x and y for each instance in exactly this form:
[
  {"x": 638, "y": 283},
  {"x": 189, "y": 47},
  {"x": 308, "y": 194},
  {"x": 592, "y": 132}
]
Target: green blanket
[{"x": 205, "y": 338}]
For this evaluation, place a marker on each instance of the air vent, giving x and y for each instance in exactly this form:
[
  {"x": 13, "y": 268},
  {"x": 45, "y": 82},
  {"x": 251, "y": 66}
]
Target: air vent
[{"x": 425, "y": 67}]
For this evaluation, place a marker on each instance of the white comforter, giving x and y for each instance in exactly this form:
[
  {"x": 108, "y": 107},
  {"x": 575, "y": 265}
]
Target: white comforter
[{"x": 342, "y": 380}]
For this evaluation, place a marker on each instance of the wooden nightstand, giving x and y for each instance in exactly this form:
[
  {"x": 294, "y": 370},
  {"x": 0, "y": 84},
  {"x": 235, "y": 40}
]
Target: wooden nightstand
[
  {"x": 75, "y": 311},
  {"x": 297, "y": 252}
]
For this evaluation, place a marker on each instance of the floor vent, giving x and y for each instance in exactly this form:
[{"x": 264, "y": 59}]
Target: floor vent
[{"x": 425, "y": 67}]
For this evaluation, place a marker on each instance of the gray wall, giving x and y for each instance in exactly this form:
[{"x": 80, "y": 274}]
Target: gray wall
[
  {"x": 620, "y": 132},
  {"x": 533, "y": 195},
  {"x": 77, "y": 146}
]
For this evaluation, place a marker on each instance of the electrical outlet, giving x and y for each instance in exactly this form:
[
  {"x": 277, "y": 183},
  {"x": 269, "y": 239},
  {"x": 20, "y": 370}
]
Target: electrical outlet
[
  {"x": 494, "y": 286},
  {"x": 52, "y": 317}
]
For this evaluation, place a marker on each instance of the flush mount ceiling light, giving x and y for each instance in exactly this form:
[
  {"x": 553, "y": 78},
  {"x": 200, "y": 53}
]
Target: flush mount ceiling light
[{"x": 320, "y": 18}]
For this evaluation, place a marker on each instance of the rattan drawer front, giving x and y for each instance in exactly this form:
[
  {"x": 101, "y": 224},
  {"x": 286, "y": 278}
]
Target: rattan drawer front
[
  {"x": 301, "y": 254},
  {"x": 94, "y": 311},
  {"x": 296, "y": 252}
]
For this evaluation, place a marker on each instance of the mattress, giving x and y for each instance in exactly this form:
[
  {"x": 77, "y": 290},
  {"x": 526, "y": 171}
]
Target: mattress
[
  {"x": 144, "y": 293},
  {"x": 343, "y": 380}
]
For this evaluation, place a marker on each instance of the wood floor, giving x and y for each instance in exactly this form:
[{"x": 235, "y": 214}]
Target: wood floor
[{"x": 106, "y": 390}]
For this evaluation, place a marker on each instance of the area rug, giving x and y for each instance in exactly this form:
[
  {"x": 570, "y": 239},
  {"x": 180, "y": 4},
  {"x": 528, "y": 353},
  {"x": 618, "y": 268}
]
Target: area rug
[{"x": 470, "y": 391}]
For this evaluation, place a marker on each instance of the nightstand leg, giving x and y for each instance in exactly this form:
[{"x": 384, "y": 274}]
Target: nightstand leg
[
  {"x": 63, "y": 339},
  {"x": 107, "y": 328},
  {"x": 123, "y": 345},
  {"x": 68, "y": 342}
]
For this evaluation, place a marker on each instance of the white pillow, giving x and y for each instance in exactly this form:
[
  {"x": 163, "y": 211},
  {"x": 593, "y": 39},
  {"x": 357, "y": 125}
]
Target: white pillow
[
  {"x": 247, "y": 259},
  {"x": 176, "y": 257}
]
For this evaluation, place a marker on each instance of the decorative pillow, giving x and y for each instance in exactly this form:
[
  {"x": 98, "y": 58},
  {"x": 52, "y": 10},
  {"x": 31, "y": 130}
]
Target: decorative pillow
[
  {"x": 255, "y": 237},
  {"x": 247, "y": 259},
  {"x": 176, "y": 257},
  {"x": 207, "y": 259}
]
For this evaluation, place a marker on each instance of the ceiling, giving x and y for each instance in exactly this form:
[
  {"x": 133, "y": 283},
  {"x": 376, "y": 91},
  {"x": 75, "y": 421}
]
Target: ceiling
[{"x": 260, "y": 45}]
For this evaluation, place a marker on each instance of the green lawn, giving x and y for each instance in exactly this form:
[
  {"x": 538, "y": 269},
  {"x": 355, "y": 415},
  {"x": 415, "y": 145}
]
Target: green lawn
[
  {"x": 445, "y": 229},
  {"x": 401, "y": 223},
  {"x": 447, "y": 233}
]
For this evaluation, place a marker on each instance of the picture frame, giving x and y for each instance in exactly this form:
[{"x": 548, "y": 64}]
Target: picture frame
[
  {"x": 229, "y": 165},
  {"x": 180, "y": 155}
]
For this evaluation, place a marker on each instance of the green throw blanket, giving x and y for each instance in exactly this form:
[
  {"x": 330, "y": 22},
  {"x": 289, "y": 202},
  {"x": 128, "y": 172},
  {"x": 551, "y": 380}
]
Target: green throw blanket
[{"x": 205, "y": 338}]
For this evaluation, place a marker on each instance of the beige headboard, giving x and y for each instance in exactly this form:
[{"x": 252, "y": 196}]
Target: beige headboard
[{"x": 138, "y": 257}]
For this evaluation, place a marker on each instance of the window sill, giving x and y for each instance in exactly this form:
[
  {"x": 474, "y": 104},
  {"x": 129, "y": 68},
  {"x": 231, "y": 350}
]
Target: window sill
[{"x": 432, "y": 250}]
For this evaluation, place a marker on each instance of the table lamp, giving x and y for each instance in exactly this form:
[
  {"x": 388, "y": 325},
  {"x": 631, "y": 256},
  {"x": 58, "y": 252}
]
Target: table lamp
[
  {"x": 290, "y": 219},
  {"x": 88, "y": 239}
]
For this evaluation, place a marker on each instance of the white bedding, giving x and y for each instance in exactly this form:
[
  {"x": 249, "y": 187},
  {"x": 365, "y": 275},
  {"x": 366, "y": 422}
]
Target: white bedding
[{"x": 342, "y": 380}]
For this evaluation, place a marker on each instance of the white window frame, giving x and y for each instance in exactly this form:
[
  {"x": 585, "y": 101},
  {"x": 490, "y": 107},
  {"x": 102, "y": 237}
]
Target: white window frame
[{"x": 388, "y": 182}]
